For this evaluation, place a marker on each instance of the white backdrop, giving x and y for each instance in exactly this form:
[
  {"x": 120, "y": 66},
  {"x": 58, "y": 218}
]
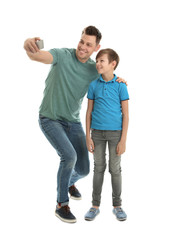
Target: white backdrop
[{"x": 138, "y": 31}]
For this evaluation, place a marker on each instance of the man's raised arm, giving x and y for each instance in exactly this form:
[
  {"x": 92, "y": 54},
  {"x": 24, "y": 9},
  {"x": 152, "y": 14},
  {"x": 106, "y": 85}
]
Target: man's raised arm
[{"x": 35, "y": 54}]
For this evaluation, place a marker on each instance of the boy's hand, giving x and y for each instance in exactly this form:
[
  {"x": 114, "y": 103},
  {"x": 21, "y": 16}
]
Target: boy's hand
[
  {"x": 121, "y": 148},
  {"x": 121, "y": 80},
  {"x": 90, "y": 144}
]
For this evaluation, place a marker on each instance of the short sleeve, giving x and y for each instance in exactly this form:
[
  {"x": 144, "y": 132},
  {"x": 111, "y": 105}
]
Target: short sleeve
[
  {"x": 54, "y": 53},
  {"x": 58, "y": 54},
  {"x": 90, "y": 94},
  {"x": 123, "y": 92}
]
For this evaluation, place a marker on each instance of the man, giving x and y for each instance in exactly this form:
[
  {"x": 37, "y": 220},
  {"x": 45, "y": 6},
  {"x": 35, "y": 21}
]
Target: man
[{"x": 71, "y": 72}]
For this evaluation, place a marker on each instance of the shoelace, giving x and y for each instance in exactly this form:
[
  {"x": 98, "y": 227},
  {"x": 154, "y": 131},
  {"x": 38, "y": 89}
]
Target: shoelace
[
  {"x": 72, "y": 188},
  {"x": 66, "y": 208},
  {"x": 93, "y": 210},
  {"x": 119, "y": 209}
]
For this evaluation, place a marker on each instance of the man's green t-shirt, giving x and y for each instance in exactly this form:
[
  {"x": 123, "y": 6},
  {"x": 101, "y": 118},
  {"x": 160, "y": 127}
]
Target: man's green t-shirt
[{"x": 66, "y": 85}]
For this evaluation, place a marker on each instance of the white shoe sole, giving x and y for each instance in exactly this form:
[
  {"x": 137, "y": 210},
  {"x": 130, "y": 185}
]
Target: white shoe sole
[
  {"x": 75, "y": 198},
  {"x": 65, "y": 220}
]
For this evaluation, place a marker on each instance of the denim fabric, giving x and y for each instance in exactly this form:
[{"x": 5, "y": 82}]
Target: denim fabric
[
  {"x": 69, "y": 141},
  {"x": 100, "y": 139}
]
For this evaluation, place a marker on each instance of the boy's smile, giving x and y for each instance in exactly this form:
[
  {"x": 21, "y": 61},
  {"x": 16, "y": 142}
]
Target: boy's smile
[{"x": 103, "y": 66}]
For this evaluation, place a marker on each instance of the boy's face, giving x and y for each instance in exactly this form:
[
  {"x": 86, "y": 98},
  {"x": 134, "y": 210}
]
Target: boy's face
[
  {"x": 103, "y": 66},
  {"x": 87, "y": 45}
]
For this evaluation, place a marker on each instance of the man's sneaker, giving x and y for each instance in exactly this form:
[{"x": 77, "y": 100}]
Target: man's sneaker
[
  {"x": 120, "y": 214},
  {"x": 91, "y": 214},
  {"x": 74, "y": 193},
  {"x": 65, "y": 214}
]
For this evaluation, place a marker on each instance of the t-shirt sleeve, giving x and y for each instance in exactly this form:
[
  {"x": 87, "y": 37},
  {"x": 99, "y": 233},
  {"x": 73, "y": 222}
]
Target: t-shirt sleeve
[
  {"x": 123, "y": 92},
  {"x": 90, "y": 94},
  {"x": 58, "y": 54},
  {"x": 54, "y": 54}
]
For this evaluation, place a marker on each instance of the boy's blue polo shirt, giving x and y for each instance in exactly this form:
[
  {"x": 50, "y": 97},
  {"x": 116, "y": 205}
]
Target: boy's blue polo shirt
[{"x": 107, "y": 96}]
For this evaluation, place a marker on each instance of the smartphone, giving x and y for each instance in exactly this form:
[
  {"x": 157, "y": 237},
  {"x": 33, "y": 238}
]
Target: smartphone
[{"x": 40, "y": 44}]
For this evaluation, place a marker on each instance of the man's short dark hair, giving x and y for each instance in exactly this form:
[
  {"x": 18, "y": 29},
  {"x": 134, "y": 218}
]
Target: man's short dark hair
[{"x": 93, "y": 31}]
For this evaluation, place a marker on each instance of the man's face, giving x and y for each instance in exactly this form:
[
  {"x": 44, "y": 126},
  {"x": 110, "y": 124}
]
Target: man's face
[{"x": 87, "y": 45}]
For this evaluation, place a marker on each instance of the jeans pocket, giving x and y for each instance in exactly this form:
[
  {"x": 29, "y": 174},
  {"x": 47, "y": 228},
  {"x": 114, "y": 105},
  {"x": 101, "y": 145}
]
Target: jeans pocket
[
  {"x": 43, "y": 122},
  {"x": 96, "y": 133}
]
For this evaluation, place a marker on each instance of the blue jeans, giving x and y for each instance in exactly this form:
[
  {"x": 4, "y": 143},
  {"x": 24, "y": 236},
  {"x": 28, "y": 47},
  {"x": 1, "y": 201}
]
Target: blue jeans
[{"x": 68, "y": 139}]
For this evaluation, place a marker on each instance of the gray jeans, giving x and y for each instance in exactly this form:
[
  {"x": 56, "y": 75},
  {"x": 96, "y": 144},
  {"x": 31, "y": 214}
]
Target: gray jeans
[{"x": 100, "y": 139}]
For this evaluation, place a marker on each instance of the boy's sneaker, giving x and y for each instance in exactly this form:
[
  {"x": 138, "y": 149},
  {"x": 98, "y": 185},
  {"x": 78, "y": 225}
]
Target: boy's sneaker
[
  {"x": 91, "y": 214},
  {"x": 74, "y": 193},
  {"x": 65, "y": 214},
  {"x": 120, "y": 214}
]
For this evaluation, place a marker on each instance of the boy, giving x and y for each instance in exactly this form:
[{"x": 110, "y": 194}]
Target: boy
[{"x": 107, "y": 116}]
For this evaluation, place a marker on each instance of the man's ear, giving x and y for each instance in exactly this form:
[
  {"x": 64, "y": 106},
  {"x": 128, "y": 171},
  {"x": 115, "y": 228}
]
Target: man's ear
[{"x": 97, "y": 47}]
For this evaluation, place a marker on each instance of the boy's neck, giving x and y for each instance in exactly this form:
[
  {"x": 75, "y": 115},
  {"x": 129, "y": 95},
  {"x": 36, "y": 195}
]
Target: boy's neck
[{"x": 108, "y": 76}]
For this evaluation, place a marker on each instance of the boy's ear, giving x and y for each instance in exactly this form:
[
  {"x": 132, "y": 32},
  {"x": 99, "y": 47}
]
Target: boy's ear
[
  {"x": 114, "y": 64},
  {"x": 97, "y": 47}
]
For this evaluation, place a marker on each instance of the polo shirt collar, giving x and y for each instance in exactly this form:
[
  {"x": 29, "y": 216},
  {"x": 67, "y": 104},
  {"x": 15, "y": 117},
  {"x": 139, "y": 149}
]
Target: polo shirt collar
[{"x": 113, "y": 80}]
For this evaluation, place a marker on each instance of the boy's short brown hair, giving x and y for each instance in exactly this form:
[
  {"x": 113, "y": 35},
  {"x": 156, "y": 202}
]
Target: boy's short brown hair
[
  {"x": 112, "y": 55},
  {"x": 93, "y": 31}
]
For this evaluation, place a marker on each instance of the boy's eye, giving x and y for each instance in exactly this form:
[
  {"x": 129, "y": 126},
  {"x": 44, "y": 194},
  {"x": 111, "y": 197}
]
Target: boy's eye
[{"x": 99, "y": 60}]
